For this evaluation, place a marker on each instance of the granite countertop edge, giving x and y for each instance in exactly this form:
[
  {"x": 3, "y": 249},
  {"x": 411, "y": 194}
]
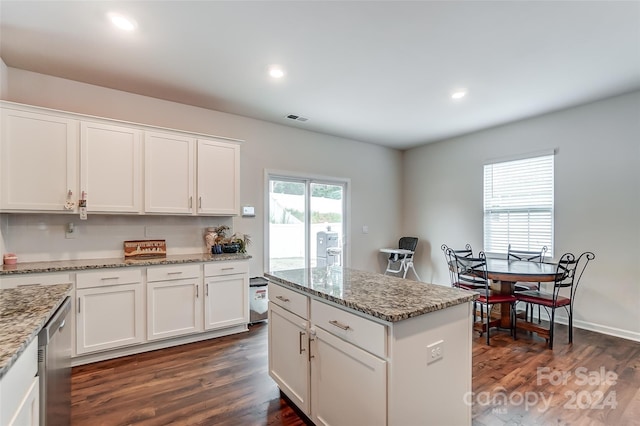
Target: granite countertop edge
[
  {"x": 86, "y": 264},
  {"x": 368, "y": 310},
  {"x": 6, "y": 362}
]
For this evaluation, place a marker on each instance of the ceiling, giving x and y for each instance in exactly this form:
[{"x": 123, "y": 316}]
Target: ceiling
[{"x": 379, "y": 72}]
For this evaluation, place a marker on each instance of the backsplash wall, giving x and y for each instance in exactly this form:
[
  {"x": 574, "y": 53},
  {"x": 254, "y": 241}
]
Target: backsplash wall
[{"x": 41, "y": 237}]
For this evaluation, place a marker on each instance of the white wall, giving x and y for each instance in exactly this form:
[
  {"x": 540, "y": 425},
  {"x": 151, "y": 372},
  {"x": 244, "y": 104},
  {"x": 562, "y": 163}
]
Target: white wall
[
  {"x": 597, "y": 200},
  {"x": 375, "y": 174}
]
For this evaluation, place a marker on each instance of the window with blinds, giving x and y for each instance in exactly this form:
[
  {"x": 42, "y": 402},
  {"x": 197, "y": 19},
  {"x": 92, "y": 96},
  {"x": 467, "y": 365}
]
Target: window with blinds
[{"x": 518, "y": 205}]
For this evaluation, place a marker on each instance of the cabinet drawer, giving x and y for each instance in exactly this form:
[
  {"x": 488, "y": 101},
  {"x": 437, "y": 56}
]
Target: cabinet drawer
[
  {"x": 289, "y": 299},
  {"x": 108, "y": 276},
  {"x": 177, "y": 272},
  {"x": 225, "y": 268},
  {"x": 24, "y": 280},
  {"x": 364, "y": 333}
]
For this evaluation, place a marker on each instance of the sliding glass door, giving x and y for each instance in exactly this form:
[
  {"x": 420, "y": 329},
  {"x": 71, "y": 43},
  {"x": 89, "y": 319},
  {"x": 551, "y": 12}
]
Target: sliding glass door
[{"x": 306, "y": 222}]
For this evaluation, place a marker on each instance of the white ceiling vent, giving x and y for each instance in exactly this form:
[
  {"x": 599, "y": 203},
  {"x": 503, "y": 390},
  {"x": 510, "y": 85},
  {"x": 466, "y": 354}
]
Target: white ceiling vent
[{"x": 296, "y": 117}]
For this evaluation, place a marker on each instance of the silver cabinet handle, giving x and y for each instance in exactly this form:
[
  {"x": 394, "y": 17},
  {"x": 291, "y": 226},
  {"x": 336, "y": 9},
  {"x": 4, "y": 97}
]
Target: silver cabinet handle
[
  {"x": 228, "y": 269},
  {"x": 199, "y": 202},
  {"x": 197, "y": 296},
  {"x": 339, "y": 325},
  {"x": 174, "y": 273},
  {"x": 284, "y": 299},
  {"x": 28, "y": 285},
  {"x": 190, "y": 202},
  {"x": 302, "y": 333},
  {"x": 110, "y": 278},
  {"x": 64, "y": 321},
  {"x": 78, "y": 305}
]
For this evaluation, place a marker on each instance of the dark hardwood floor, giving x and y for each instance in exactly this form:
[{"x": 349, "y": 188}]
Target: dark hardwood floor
[{"x": 595, "y": 381}]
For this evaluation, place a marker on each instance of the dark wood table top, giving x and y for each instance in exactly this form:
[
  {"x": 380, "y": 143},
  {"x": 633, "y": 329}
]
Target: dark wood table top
[{"x": 520, "y": 270}]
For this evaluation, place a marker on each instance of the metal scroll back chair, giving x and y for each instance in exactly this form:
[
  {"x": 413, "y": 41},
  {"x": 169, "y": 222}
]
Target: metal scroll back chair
[
  {"x": 528, "y": 256},
  {"x": 453, "y": 266},
  {"x": 403, "y": 262},
  {"x": 472, "y": 273},
  {"x": 568, "y": 274}
]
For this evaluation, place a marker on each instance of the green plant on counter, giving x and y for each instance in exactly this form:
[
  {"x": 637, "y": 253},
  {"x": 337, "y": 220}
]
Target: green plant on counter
[{"x": 242, "y": 239}]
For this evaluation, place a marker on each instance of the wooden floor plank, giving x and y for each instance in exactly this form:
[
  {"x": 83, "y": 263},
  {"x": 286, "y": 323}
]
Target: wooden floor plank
[{"x": 225, "y": 381}]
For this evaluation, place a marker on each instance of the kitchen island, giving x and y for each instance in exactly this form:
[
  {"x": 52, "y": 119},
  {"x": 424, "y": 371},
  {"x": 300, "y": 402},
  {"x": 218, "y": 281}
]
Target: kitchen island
[{"x": 354, "y": 347}]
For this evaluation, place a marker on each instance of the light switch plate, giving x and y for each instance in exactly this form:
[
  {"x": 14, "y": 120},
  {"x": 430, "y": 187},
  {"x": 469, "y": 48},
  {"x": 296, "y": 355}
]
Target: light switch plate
[{"x": 248, "y": 211}]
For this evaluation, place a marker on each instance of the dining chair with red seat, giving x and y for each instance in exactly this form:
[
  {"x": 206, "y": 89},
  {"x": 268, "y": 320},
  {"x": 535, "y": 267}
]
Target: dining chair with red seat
[
  {"x": 472, "y": 272},
  {"x": 528, "y": 256},
  {"x": 568, "y": 274},
  {"x": 450, "y": 256}
]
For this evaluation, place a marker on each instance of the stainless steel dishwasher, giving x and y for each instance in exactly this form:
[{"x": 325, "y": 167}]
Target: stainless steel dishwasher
[{"x": 54, "y": 368}]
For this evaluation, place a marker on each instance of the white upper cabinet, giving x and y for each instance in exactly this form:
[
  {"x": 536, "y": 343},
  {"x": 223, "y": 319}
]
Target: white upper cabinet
[
  {"x": 39, "y": 161},
  {"x": 49, "y": 158},
  {"x": 111, "y": 168},
  {"x": 169, "y": 173},
  {"x": 218, "y": 177}
]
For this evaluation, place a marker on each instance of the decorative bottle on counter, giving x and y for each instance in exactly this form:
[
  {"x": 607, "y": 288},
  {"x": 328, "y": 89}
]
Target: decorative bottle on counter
[{"x": 210, "y": 238}]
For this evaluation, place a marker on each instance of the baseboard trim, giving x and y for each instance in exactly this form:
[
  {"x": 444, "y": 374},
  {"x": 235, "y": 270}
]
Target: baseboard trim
[
  {"x": 597, "y": 328},
  {"x": 152, "y": 346}
]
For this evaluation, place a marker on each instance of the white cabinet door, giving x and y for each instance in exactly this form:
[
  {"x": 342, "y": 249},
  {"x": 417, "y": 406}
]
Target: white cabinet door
[
  {"x": 110, "y": 168},
  {"x": 169, "y": 171},
  {"x": 226, "y": 301},
  {"x": 28, "y": 413},
  {"x": 39, "y": 154},
  {"x": 109, "y": 317},
  {"x": 218, "y": 177},
  {"x": 289, "y": 356},
  {"x": 174, "y": 308},
  {"x": 348, "y": 385}
]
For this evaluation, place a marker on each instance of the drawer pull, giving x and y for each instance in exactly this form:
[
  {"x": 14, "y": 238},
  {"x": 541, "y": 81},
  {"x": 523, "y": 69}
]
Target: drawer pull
[
  {"x": 284, "y": 299},
  {"x": 302, "y": 333},
  {"x": 174, "y": 273},
  {"x": 109, "y": 278},
  {"x": 228, "y": 269},
  {"x": 339, "y": 325},
  {"x": 29, "y": 285}
]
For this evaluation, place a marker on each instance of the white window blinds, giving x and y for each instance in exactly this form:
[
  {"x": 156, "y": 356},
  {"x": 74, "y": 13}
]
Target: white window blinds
[{"x": 518, "y": 205}]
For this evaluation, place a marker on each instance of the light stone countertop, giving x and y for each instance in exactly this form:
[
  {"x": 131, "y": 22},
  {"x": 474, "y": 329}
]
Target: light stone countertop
[
  {"x": 119, "y": 262},
  {"x": 23, "y": 313},
  {"x": 381, "y": 296}
]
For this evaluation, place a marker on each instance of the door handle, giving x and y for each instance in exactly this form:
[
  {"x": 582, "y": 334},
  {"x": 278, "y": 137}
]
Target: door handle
[
  {"x": 284, "y": 299},
  {"x": 339, "y": 325},
  {"x": 301, "y": 334}
]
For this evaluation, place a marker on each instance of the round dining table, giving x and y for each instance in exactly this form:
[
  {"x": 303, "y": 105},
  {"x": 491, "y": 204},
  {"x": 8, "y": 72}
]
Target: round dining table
[{"x": 505, "y": 273}]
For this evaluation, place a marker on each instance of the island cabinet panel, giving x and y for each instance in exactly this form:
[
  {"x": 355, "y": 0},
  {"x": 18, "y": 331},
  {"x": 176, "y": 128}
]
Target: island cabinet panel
[
  {"x": 289, "y": 355},
  {"x": 19, "y": 401},
  {"x": 39, "y": 161},
  {"x": 111, "y": 167},
  {"x": 218, "y": 177},
  {"x": 349, "y": 385},
  {"x": 109, "y": 310},
  {"x": 437, "y": 392}
]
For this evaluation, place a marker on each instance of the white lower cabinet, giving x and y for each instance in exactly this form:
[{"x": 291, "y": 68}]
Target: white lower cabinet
[
  {"x": 19, "y": 390},
  {"x": 174, "y": 306},
  {"x": 109, "y": 309},
  {"x": 349, "y": 385},
  {"x": 332, "y": 380},
  {"x": 226, "y": 301},
  {"x": 288, "y": 355}
]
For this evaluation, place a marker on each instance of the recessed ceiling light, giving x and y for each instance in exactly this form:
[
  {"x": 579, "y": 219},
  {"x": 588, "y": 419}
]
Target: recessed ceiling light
[
  {"x": 122, "y": 22},
  {"x": 459, "y": 94},
  {"x": 276, "y": 71}
]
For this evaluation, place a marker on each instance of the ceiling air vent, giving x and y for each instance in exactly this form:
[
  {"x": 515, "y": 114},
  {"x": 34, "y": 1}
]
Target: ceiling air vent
[{"x": 296, "y": 117}]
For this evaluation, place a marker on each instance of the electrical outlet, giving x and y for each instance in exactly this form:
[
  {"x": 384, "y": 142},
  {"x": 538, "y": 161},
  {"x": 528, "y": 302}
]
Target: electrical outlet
[
  {"x": 435, "y": 351},
  {"x": 70, "y": 231}
]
